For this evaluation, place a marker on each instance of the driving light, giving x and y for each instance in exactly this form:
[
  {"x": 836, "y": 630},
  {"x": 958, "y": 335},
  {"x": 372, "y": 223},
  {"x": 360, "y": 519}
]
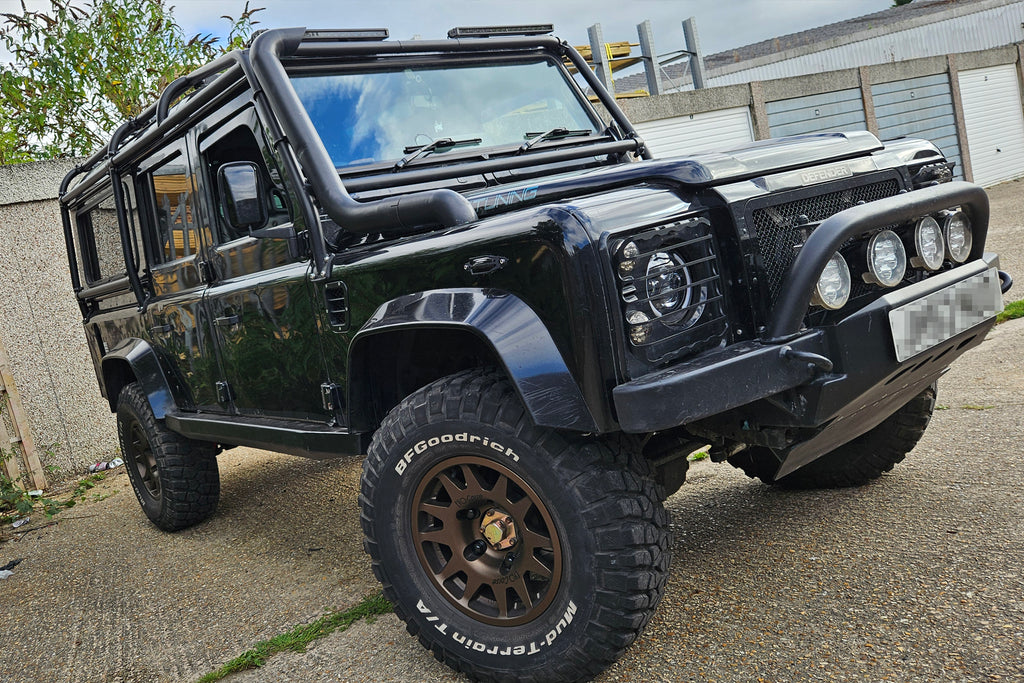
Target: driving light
[
  {"x": 887, "y": 259},
  {"x": 833, "y": 288},
  {"x": 959, "y": 239},
  {"x": 928, "y": 243}
]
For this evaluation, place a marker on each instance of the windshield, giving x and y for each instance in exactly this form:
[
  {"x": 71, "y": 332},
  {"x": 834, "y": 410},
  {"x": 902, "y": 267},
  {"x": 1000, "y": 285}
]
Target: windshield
[{"x": 386, "y": 115}]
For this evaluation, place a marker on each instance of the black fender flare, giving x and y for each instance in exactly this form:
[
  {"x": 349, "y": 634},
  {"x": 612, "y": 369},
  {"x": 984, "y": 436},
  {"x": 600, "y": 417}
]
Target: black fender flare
[
  {"x": 145, "y": 366},
  {"x": 512, "y": 331}
]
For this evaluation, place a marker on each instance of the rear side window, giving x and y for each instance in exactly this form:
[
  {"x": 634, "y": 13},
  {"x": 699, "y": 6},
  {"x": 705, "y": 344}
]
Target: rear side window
[
  {"x": 99, "y": 239},
  {"x": 174, "y": 205}
]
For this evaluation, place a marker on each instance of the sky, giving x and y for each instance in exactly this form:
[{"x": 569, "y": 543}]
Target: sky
[{"x": 721, "y": 24}]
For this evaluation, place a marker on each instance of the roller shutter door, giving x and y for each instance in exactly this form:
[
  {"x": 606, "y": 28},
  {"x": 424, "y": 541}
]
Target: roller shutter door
[
  {"x": 833, "y": 112},
  {"x": 994, "y": 122},
  {"x": 919, "y": 108},
  {"x": 712, "y": 131}
]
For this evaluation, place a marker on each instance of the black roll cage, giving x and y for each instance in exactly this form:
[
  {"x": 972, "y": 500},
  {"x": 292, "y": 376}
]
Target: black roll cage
[{"x": 262, "y": 66}]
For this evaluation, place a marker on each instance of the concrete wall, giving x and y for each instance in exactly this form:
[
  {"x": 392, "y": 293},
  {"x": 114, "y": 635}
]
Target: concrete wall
[{"x": 41, "y": 326}]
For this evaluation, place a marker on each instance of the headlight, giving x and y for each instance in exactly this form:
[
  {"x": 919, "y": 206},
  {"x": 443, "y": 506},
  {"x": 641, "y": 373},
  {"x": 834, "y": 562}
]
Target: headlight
[
  {"x": 668, "y": 283},
  {"x": 959, "y": 238},
  {"x": 833, "y": 288},
  {"x": 928, "y": 244},
  {"x": 887, "y": 259},
  {"x": 670, "y": 288}
]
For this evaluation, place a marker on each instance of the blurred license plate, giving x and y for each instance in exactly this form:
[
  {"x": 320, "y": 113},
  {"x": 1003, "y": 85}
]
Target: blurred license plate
[{"x": 932, "y": 319}]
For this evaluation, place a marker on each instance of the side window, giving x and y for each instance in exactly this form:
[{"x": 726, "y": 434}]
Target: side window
[
  {"x": 173, "y": 201},
  {"x": 131, "y": 208},
  {"x": 99, "y": 238},
  {"x": 240, "y": 144}
]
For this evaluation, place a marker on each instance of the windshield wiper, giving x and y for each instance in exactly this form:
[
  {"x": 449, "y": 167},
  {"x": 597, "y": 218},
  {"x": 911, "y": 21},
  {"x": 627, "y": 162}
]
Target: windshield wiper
[
  {"x": 553, "y": 134},
  {"x": 413, "y": 153}
]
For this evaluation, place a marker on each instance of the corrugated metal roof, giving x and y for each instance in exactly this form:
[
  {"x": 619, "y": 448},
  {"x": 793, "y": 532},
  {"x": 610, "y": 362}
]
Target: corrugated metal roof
[
  {"x": 923, "y": 28},
  {"x": 977, "y": 31}
]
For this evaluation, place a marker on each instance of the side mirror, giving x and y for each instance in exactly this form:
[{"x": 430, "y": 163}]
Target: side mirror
[{"x": 242, "y": 195}]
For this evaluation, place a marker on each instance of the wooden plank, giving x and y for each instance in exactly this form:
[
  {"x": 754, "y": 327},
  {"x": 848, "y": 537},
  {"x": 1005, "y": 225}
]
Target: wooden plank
[
  {"x": 621, "y": 48},
  {"x": 33, "y": 467}
]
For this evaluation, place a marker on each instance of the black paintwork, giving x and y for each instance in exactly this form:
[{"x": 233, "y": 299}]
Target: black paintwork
[{"x": 370, "y": 284}]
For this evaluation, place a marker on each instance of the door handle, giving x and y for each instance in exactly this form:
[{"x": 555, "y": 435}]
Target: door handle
[
  {"x": 161, "y": 329},
  {"x": 226, "y": 321}
]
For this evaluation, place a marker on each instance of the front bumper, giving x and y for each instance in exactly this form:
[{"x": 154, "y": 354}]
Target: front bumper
[{"x": 845, "y": 379}]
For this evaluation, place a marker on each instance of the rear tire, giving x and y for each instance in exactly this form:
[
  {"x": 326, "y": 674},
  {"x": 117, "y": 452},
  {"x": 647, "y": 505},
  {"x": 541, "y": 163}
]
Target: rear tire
[
  {"x": 856, "y": 463},
  {"x": 557, "y": 589},
  {"x": 175, "y": 479}
]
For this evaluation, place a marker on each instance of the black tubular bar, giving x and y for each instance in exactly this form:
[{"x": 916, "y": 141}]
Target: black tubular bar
[
  {"x": 444, "y": 207},
  {"x": 131, "y": 266},
  {"x": 179, "y": 85},
  {"x": 101, "y": 290},
  {"x": 788, "y": 314},
  {"x": 458, "y": 170},
  {"x": 203, "y": 97},
  {"x": 69, "y": 240}
]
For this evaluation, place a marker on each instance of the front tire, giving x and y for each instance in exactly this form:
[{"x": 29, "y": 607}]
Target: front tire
[
  {"x": 513, "y": 552},
  {"x": 856, "y": 463},
  {"x": 174, "y": 478}
]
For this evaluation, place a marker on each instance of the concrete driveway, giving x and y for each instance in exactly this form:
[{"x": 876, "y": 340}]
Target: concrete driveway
[{"x": 915, "y": 577}]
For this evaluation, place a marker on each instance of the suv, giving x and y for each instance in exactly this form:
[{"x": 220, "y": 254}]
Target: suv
[{"x": 441, "y": 254}]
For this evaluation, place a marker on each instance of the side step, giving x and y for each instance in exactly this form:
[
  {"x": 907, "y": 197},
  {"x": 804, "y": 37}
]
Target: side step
[{"x": 307, "y": 440}]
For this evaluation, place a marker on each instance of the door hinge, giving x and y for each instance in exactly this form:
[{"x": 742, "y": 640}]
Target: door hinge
[
  {"x": 331, "y": 396},
  {"x": 224, "y": 392}
]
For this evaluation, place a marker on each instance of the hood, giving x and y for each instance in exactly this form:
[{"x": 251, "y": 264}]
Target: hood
[{"x": 697, "y": 171}]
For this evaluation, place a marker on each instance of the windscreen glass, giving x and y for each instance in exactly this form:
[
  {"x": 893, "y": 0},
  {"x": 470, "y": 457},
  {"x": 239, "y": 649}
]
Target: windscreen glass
[{"x": 385, "y": 115}]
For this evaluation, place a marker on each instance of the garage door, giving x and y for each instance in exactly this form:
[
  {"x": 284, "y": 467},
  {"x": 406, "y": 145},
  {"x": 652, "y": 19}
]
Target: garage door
[
  {"x": 829, "y": 112},
  {"x": 994, "y": 122},
  {"x": 919, "y": 108},
  {"x": 711, "y": 131}
]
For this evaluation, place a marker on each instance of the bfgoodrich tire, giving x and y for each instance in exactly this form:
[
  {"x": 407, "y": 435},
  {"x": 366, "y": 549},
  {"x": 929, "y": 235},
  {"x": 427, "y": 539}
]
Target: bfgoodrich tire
[
  {"x": 858, "y": 462},
  {"x": 513, "y": 552},
  {"x": 175, "y": 479}
]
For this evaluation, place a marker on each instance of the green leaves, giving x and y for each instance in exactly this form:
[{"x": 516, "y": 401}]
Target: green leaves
[{"x": 79, "y": 71}]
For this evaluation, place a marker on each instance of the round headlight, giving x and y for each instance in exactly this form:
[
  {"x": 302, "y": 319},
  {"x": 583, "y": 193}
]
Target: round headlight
[
  {"x": 833, "y": 288},
  {"x": 928, "y": 242},
  {"x": 959, "y": 238},
  {"x": 887, "y": 259},
  {"x": 668, "y": 283}
]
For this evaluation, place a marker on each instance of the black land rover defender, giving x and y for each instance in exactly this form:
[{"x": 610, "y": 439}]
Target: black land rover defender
[{"x": 440, "y": 254}]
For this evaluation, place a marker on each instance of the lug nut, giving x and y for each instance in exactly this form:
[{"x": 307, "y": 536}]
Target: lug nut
[
  {"x": 506, "y": 564},
  {"x": 474, "y": 550}
]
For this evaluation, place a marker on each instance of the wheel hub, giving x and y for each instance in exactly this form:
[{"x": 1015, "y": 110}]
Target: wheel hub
[
  {"x": 486, "y": 540},
  {"x": 498, "y": 529}
]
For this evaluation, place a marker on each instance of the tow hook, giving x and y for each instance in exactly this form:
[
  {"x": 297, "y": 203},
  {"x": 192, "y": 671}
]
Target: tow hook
[
  {"x": 1005, "y": 281},
  {"x": 812, "y": 359}
]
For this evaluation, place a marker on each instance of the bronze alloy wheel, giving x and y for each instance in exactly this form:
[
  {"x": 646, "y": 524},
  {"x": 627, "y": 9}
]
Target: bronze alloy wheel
[
  {"x": 486, "y": 540},
  {"x": 141, "y": 457}
]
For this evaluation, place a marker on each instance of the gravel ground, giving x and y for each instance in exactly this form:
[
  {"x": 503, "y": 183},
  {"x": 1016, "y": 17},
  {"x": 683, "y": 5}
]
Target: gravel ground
[{"x": 914, "y": 578}]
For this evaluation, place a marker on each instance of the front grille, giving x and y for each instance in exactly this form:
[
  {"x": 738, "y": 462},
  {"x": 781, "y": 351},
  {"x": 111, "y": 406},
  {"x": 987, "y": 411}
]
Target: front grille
[{"x": 782, "y": 228}]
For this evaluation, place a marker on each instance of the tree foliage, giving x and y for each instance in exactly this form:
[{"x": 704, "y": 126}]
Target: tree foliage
[{"x": 77, "y": 72}]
